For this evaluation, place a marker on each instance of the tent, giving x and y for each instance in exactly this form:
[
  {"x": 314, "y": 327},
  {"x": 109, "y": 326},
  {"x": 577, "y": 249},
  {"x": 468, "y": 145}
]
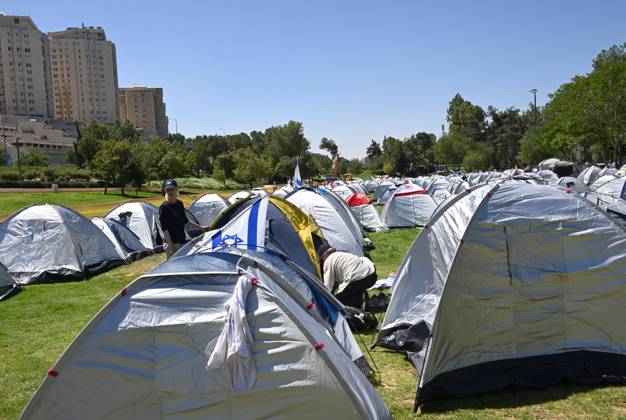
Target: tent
[
  {"x": 45, "y": 243},
  {"x": 511, "y": 284},
  {"x": 154, "y": 351},
  {"x": 143, "y": 220},
  {"x": 283, "y": 191},
  {"x": 346, "y": 214},
  {"x": 126, "y": 243},
  {"x": 289, "y": 231},
  {"x": 365, "y": 212},
  {"x": 609, "y": 193},
  {"x": 548, "y": 176},
  {"x": 589, "y": 174},
  {"x": 381, "y": 187},
  {"x": 410, "y": 206},
  {"x": 385, "y": 196},
  {"x": 438, "y": 189},
  {"x": 343, "y": 191},
  {"x": 207, "y": 207},
  {"x": 336, "y": 226},
  {"x": 7, "y": 284},
  {"x": 239, "y": 196},
  {"x": 572, "y": 183}
]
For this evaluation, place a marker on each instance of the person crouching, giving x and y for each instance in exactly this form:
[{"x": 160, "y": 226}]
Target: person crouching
[{"x": 347, "y": 276}]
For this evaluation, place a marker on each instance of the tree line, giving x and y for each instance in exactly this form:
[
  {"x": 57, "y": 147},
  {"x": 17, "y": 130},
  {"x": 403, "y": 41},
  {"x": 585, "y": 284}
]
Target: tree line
[
  {"x": 584, "y": 121},
  {"x": 121, "y": 156}
]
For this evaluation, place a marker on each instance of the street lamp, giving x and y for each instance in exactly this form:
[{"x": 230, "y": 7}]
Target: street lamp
[{"x": 534, "y": 92}]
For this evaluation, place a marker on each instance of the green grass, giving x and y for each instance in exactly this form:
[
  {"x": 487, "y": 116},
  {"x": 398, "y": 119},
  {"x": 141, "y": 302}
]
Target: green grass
[
  {"x": 38, "y": 323},
  {"x": 11, "y": 202}
]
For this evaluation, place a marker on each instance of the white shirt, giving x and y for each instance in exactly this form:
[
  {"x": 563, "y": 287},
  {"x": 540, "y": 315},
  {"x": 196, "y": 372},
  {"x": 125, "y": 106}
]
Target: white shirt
[{"x": 342, "y": 268}]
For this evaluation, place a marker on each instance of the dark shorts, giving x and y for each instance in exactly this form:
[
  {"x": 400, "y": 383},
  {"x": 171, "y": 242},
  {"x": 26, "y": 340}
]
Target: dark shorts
[{"x": 353, "y": 294}]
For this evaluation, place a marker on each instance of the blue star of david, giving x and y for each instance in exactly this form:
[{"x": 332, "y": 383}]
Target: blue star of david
[{"x": 230, "y": 240}]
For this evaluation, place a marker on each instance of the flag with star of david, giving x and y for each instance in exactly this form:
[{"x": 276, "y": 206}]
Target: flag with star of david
[{"x": 246, "y": 231}]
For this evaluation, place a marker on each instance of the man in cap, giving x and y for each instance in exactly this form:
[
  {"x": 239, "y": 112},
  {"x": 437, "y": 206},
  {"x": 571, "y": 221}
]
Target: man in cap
[
  {"x": 173, "y": 219},
  {"x": 347, "y": 276}
]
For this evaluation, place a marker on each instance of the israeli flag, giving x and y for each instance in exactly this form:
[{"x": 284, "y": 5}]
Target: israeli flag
[
  {"x": 246, "y": 231},
  {"x": 297, "y": 181}
]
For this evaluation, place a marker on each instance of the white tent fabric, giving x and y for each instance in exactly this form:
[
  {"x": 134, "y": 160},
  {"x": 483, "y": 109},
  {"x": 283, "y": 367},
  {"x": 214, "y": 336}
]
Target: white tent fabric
[
  {"x": 239, "y": 196},
  {"x": 367, "y": 215},
  {"x": 343, "y": 191},
  {"x": 207, "y": 207},
  {"x": 143, "y": 220},
  {"x": 409, "y": 206},
  {"x": 381, "y": 187},
  {"x": 283, "y": 191},
  {"x": 7, "y": 284},
  {"x": 126, "y": 243},
  {"x": 589, "y": 175},
  {"x": 336, "y": 231},
  {"x": 508, "y": 279},
  {"x": 573, "y": 183},
  {"x": 386, "y": 196},
  {"x": 143, "y": 356},
  {"x": 46, "y": 242},
  {"x": 346, "y": 214}
]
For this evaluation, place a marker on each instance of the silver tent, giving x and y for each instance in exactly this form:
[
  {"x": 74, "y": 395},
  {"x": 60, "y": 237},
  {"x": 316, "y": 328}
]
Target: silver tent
[
  {"x": 143, "y": 220},
  {"x": 337, "y": 229},
  {"x": 511, "y": 284},
  {"x": 145, "y": 354},
  {"x": 573, "y": 183},
  {"x": 47, "y": 243},
  {"x": 207, "y": 207},
  {"x": 410, "y": 206},
  {"x": 7, "y": 284},
  {"x": 126, "y": 243},
  {"x": 589, "y": 175}
]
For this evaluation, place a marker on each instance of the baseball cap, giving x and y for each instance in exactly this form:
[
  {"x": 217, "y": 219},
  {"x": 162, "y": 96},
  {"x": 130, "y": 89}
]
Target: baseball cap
[{"x": 170, "y": 184}]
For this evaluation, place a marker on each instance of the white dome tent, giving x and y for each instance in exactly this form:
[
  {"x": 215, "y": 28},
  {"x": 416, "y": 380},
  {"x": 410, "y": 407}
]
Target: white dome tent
[
  {"x": 573, "y": 183},
  {"x": 336, "y": 227},
  {"x": 126, "y": 243},
  {"x": 409, "y": 206},
  {"x": 506, "y": 280},
  {"x": 7, "y": 284},
  {"x": 143, "y": 220},
  {"x": 153, "y": 352},
  {"x": 207, "y": 207},
  {"x": 47, "y": 243}
]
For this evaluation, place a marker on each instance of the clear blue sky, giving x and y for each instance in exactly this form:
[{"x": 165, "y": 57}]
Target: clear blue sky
[{"x": 349, "y": 70}]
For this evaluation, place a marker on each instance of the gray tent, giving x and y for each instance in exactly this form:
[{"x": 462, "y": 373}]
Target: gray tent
[
  {"x": 410, "y": 206},
  {"x": 7, "y": 284},
  {"x": 143, "y": 220},
  {"x": 48, "y": 242},
  {"x": 511, "y": 284},
  {"x": 207, "y": 207},
  {"x": 337, "y": 228},
  {"x": 126, "y": 243},
  {"x": 589, "y": 174},
  {"x": 147, "y": 353},
  {"x": 609, "y": 192},
  {"x": 572, "y": 183}
]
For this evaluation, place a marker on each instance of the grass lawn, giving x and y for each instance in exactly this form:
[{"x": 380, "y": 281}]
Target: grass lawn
[
  {"x": 90, "y": 204},
  {"x": 38, "y": 323}
]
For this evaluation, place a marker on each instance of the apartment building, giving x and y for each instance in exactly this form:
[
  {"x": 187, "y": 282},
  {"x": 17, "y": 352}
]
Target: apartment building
[{"x": 144, "y": 107}]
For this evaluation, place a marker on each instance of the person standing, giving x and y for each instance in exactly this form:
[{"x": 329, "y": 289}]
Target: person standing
[
  {"x": 347, "y": 276},
  {"x": 173, "y": 219}
]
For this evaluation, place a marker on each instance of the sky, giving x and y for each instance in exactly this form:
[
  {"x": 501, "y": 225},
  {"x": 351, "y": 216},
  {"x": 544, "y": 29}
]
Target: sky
[{"x": 347, "y": 69}]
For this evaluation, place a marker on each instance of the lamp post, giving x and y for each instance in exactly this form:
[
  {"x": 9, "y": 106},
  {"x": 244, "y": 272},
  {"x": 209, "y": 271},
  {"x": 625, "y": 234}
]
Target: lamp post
[{"x": 534, "y": 92}]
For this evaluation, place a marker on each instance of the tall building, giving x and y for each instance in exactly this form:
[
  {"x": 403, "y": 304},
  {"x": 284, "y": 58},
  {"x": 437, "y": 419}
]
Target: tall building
[
  {"x": 25, "y": 86},
  {"x": 84, "y": 75},
  {"x": 145, "y": 109}
]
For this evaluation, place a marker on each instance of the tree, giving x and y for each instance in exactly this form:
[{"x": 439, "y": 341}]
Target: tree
[
  {"x": 110, "y": 160},
  {"x": 614, "y": 54},
  {"x": 355, "y": 166},
  {"x": 225, "y": 164},
  {"x": 134, "y": 170},
  {"x": 503, "y": 134},
  {"x": 373, "y": 150},
  {"x": 172, "y": 165},
  {"x": 34, "y": 158},
  {"x": 330, "y": 146},
  {"x": 477, "y": 157},
  {"x": 418, "y": 150},
  {"x": 198, "y": 159},
  {"x": 250, "y": 167},
  {"x": 465, "y": 118},
  {"x": 535, "y": 146},
  {"x": 395, "y": 160},
  {"x": 451, "y": 149},
  {"x": 90, "y": 140}
]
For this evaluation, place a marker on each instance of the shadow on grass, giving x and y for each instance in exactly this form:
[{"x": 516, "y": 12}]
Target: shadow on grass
[{"x": 508, "y": 398}]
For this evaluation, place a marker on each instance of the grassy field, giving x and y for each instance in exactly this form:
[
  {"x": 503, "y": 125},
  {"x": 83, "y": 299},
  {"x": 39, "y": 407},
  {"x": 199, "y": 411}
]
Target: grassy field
[
  {"x": 90, "y": 204},
  {"x": 38, "y": 323}
]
